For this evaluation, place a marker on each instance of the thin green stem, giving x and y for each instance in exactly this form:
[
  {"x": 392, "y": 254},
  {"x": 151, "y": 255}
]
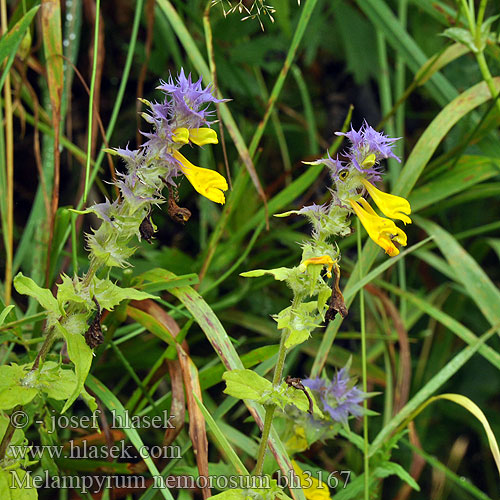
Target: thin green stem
[
  {"x": 278, "y": 372},
  {"x": 268, "y": 419},
  {"x": 47, "y": 344},
  {"x": 266, "y": 430},
  {"x": 9, "y": 161},
  {"x": 91, "y": 98},
  {"x": 9, "y": 432},
  {"x": 364, "y": 371},
  {"x": 487, "y": 77},
  {"x": 480, "y": 17},
  {"x": 74, "y": 249}
]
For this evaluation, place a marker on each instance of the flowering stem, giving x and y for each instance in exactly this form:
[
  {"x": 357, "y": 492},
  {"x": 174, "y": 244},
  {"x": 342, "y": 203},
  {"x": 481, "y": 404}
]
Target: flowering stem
[
  {"x": 268, "y": 419},
  {"x": 363, "y": 362}
]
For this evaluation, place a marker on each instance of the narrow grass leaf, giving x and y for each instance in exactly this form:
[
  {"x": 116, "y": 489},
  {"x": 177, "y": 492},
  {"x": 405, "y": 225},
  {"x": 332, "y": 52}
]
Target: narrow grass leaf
[
  {"x": 113, "y": 404},
  {"x": 221, "y": 440},
  {"x": 437, "y": 130},
  {"x": 467, "y": 271},
  {"x": 433, "y": 385}
]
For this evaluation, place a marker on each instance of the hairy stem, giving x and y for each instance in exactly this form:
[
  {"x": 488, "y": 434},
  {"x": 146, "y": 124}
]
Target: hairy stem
[
  {"x": 268, "y": 419},
  {"x": 47, "y": 344},
  {"x": 9, "y": 432}
]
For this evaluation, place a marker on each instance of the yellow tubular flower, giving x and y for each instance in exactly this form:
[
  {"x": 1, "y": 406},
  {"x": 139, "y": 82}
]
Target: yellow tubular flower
[
  {"x": 391, "y": 205},
  {"x": 180, "y": 135},
  {"x": 208, "y": 183},
  {"x": 325, "y": 260},
  {"x": 382, "y": 231},
  {"x": 313, "y": 488},
  {"x": 202, "y": 136}
]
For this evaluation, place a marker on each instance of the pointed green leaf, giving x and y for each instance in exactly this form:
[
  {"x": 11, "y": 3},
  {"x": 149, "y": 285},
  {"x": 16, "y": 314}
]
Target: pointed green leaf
[
  {"x": 26, "y": 286},
  {"x": 280, "y": 273},
  {"x": 246, "y": 384},
  {"x": 81, "y": 356}
]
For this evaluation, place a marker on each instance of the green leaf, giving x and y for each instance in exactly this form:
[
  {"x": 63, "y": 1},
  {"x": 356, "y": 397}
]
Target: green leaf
[
  {"x": 10, "y": 42},
  {"x": 26, "y": 286},
  {"x": 485, "y": 30},
  {"x": 232, "y": 494},
  {"x": 158, "y": 279},
  {"x": 16, "y": 484},
  {"x": 246, "y": 384},
  {"x": 5, "y": 313},
  {"x": 55, "y": 381},
  {"x": 81, "y": 356},
  {"x": 463, "y": 36},
  {"x": 437, "y": 130},
  {"x": 476, "y": 411},
  {"x": 423, "y": 394},
  {"x": 13, "y": 390},
  {"x": 221, "y": 440},
  {"x": 299, "y": 321},
  {"x": 468, "y": 171},
  {"x": 109, "y": 295},
  {"x": 467, "y": 271},
  {"x": 222, "y": 345},
  {"x": 438, "y": 61},
  {"x": 280, "y": 273},
  {"x": 393, "y": 469},
  {"x": 66, "y": 291}
]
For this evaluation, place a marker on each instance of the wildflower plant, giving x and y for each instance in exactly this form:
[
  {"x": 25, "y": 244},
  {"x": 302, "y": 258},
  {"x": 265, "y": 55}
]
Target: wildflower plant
[
  {"x": 317, "y": 408},
  {"x": 74, "y": 314}
]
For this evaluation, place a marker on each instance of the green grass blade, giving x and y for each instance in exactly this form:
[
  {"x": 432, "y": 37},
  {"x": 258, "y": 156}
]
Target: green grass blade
[
  {"x": 222, "y": 345},
  {"x": 113, "y": 404},
  {"x": 221, "y": 440},
  {"x": 382, "y": 16},
  {"x": 455, "y": 326},
  {"x": 433, "y": 385},
  {"x": 467, "y": 271},
  {"x": 436, "y": 131}
]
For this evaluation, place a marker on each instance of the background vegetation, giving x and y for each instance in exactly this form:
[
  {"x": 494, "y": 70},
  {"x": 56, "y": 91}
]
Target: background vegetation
[{"x": 292, "y": 84}]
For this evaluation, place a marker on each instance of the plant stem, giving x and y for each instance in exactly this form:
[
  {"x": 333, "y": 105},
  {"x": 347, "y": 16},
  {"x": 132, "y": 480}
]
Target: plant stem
[
  {"x": 485, "y": 72},
  {"x": 91, "y": 97},
  {"x": 366, "y": 495},
  {"x": 47, "y": 344},
  {"x": 9, "y": 432},
  {"x": 9, "y": 161},
  {"x": 268, "y": 419}
]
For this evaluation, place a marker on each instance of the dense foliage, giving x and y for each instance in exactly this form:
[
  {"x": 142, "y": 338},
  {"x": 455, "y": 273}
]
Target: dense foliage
[{"x": 350, "y": 160}]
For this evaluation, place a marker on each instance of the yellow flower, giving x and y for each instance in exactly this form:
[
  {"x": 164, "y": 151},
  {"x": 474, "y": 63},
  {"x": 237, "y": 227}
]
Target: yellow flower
[
  {"x": 381, "y": 230},
  {"x": 297, "y": 442},
  {"x": 391, "y": 205},
  {"x": 325, "y": 260},
  {"x": 180, "y": 135},
  {"x": 208, "y": 183},
  {"x": 202, "y": 136},
  {"x": 198, "y": 136},
  {"x": 313, "y": 488}
]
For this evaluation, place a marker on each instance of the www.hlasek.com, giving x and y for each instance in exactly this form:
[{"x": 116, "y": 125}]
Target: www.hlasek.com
[
  {"x": 96, "y": 484},
  {"x": 91, "y": 451}
]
